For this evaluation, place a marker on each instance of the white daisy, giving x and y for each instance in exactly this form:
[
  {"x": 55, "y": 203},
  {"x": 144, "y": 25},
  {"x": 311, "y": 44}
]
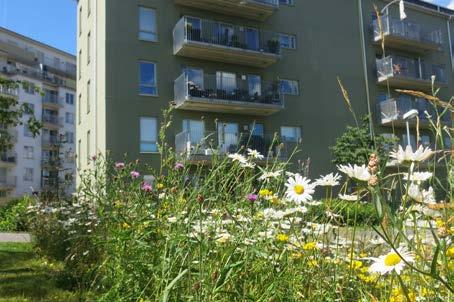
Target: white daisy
[
  {"x": 360, "y": 173},
  {"x": 391, "y": 262},
  {"x": 421, "y": 196},
  {"x": 299, "y": 189},
  {"x": 329, "y": 180},
  {"x": 407, "y": 155},
  {"x": 238, "y": 157},
  {"x": 348, "y": 197},
  {"x": 248, "y": 165},
  {"x": 255, "y": 154},
  {"x": 419, "y": 177},
  {"x": 270, "y": 175}
]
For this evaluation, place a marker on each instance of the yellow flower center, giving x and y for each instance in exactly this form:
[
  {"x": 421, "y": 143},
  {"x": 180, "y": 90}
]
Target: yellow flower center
[
  {"x": 299, "y": 189},
  {"x": 392, "y": 259}
]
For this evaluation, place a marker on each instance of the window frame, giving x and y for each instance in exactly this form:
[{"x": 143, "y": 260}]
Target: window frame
[
  {"x": 155, "y": 78},
  {"x": 29, "y": 152},
  {"x": 155, "y": 119},
  {"x": 139, "y": 31},
  {"x": 290, "y": 37},
  {"x": 290, "y": 80},
  {"x": 300, "y": 132}
]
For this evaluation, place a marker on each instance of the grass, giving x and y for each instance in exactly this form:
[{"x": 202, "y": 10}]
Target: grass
[{"x": 26, "y": 277}]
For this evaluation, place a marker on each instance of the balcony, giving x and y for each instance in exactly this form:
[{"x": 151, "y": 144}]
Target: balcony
[
  {"x": 7, "y": 183},
  {"x": 409, "y": 73},
  {"x": 56, "y": 66},
  {"x": 391, "y": 112},
  {"x": 408, "y": 36},
  {"x": 217, "y": 93},
  {"x": 259, "y": 10},
  {"x": 9, "y": 92},
  {"x": 49, "y": 141},
  {"x": 52, "y": 122},
  {"x": 14, "y": 52},
  {"x": 220, "y": 42},
  {"x": 52, "y": 101},
  {"x": 8, "y": 159},
  {"x": 11, "y": 133},
  {"x": 200, "y": 146}
]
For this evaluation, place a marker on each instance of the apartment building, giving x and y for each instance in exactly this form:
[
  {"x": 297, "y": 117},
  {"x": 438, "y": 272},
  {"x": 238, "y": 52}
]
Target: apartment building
[
  {"x": 49, "y": 78},
  {"x": 241, "y": 71}
]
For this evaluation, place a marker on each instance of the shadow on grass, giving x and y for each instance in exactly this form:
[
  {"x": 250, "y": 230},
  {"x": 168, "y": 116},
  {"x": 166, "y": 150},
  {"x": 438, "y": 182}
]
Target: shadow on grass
[{"x": 24, "y": 277}]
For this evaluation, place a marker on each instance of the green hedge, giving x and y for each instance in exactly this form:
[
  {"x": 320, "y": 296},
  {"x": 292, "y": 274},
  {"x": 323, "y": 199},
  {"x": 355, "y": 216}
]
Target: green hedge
[
  {"x": 13, "y": 215},
  {"x": 365, "y": 215}
]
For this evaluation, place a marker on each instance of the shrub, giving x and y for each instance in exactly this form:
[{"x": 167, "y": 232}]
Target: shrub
[
  {"x": 13, "y": 216},
  {"x": 366, "y": 215}
]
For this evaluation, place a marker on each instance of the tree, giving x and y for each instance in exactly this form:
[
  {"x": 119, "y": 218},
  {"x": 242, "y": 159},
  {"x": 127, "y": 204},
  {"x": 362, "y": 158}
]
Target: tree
[
  {"x": 357, "y": 144},
  {"x": 11, "y": 113}
]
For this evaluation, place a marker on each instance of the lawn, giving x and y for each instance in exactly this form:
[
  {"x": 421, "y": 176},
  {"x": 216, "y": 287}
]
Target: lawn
[{"x": 26, "y": 277}]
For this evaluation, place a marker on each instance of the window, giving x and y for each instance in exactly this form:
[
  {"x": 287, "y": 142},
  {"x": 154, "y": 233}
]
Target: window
[
  {"x": 80, "y": 20},
  {"x": 148, "y": 135},
  {"x": 287, "y": 41},
  {"x": 88, "y": 96},
  {"x": 286, "y": 2},
  {"x": 3, "y": 177},
  {"x": 29, "y": 87},
  {"x": 226, "y": 81},
  {"x": 88, "y": 144},
  {"x": 69, "y": 137},
  {"x": 88, "y": 47},
  {"x": 424, "y": 140},
  {"x": 79, "y": 109},
  {"x": 27, "y": 132},
  {"x": 257, "y": 129},
  {"x": 80, "y": 64},
  {"x": 29, "y": 108},
  {"x": 147, "y": 24},
  {"x": 148, "y": 78},
  {"x": 69, "y": 98},
  {"x": 195, "y": 130},
  {"x": 290, "y": 134},
  {"x": 69, "y": 118},
  {"x": 289, "y": 87},
  {"x": 28, "y": 152},
  {"x": 79, "y": 148},
  {"x": 28, "y": 174}
]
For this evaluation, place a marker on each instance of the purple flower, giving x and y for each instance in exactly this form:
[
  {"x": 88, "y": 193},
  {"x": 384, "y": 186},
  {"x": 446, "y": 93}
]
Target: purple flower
[
  {"x": 135, "y": 174},
  {"x": 179, "y": 166},
  {"x": 146, "y": 187},
  {"x": 252, "y": 197},
  {"x": 119, "y": 165}
]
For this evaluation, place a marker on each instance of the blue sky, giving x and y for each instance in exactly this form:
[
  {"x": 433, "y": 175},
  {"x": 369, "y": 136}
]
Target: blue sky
[{"x": 54, "y": 22}]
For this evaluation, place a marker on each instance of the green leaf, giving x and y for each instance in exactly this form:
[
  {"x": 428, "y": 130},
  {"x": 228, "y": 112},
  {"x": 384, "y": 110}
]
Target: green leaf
[
  {"x": 165, "y": 296},
  {"x": 433, "y": 266}
]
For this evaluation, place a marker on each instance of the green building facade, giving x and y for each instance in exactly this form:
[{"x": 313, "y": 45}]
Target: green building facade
[{"x": 251, "y": 66}]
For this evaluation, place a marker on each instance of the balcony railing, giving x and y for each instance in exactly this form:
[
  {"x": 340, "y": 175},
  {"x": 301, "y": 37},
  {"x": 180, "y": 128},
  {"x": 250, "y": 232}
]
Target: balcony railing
[
  {"x": 8, "y": 91},
  {"x": 8, "y": 157},
  {"x": 53, "y": 100},
  {"x": 410, "y": 73},
  {"x": 49, "y": 140},
  {"x": 218, "y": 93},
  {"x": 64, "y": 68},
  {"x": 408, "y": 35},
  {"x": 54, "y": 120},
  {"x": 392, "y": 111},
  {"x": 216, "y": 41},
  {"x": 252, "y": 9},
  {"x": 198, "y": 145},
  {"x": 8, "y": 182}
]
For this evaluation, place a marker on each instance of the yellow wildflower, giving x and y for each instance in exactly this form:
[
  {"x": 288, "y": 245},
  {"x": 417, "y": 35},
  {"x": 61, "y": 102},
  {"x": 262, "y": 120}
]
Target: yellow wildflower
[
  {"x": 265, "y": 193},
  {"x": 160, "y": 186},
  {"x": 398, "y": 295},
  {"x": 310, "y": 246},
  {"x": 356, "y": 264},
  {"x": 125, "y": 225},
  {"x": 450, "y": 252},
  {"x": 282, "y": 238},
  {"x": 312, "y": 263}
]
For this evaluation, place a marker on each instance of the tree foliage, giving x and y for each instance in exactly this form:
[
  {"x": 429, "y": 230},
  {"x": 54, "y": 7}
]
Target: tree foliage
[
  {"x": 357, "y": 143},
  {"x": 11, "y": 115}
]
